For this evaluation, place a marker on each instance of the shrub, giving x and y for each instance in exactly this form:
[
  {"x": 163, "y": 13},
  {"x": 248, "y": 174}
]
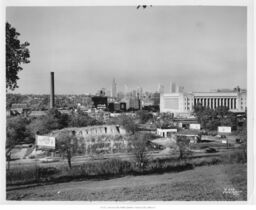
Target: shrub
[
  {"x": 206, "y": 161},
  {"x": 114, "y": 167},
  {"x": 21, "y": 176},
  {"x": 103, "y": 168},
  {"x": 234, "y": 157}
]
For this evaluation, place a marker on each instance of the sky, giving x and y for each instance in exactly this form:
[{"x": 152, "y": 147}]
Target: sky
[{"x": 198, "y": 47}]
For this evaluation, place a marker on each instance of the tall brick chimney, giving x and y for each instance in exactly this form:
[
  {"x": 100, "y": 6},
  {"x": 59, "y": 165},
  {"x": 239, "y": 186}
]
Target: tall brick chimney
[{"x": 52, "y": 96}]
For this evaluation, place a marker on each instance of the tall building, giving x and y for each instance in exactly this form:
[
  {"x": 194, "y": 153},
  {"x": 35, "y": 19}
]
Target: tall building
[
  {"x": 173, "y": 87},
  {"x": 114, "y": 91},
  {"x": 160, "y": 89},
  {"x": 126, "y": 90},
  {"x": 101, "y": 92},
  {"x": 179, "y": 89},
  {"x": 183, "y": 102},
  {"x": 108, "y": 93},
  {"x": 139, "y": 92}
]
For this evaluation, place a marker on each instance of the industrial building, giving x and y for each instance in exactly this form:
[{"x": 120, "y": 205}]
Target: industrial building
[
  {"x": 114, "y": 89},
  {"x": 117, "y": 107},
  {"x": 100, "y": 102}
]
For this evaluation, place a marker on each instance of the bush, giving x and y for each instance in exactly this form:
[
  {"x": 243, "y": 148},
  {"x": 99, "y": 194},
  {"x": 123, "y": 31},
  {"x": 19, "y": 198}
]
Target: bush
[
  {"x": 161, "y": 166},
  {"x": 106, "y": 168},
  {"x": 144, "y": 116},
  {"x": 114, "y": 167},
  {"x": 30, "y": 175},
  {"x": 234, "y": 157},
  {"x": 206, "y": 161},
  {"x": 21, "y": 176}
]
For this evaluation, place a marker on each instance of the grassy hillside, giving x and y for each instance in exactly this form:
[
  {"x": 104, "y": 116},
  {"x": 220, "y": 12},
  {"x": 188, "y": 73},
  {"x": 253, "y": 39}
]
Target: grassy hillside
[{"x": 206, "y": 183}]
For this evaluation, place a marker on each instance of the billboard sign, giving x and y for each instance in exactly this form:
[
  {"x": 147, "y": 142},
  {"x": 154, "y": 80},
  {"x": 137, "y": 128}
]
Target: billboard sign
[
  {"x": 224, "y": 129},
  {"x": 45, "y": 142},
  {"x": 194, "y": 126},
  {"x": 224, "y": 141}
]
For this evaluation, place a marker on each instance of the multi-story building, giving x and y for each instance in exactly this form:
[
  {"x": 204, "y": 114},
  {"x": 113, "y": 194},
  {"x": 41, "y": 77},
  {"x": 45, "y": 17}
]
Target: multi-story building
[
  {"x": 114, "y": 89},
  {"x": 160, "y": 89},
  {"x": 172, "y": 87},
  {"x": 182, "y": 102},
  {"x": 134, "y": 103},
  {"x": 100, "y": 102}
]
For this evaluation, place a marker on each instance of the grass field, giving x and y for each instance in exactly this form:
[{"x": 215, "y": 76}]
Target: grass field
[{"x": 206, "y": 183}]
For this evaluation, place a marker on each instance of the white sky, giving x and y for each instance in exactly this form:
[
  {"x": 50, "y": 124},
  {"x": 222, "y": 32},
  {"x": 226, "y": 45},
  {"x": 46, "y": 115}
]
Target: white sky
[{"x": 200, "y": 48}]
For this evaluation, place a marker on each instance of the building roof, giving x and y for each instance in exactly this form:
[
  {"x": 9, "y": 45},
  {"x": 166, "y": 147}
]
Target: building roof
[
  {"x": 19, "y": 106},
  {"x": 189, "y": 132},
  {"x": 37, "y": 113}
]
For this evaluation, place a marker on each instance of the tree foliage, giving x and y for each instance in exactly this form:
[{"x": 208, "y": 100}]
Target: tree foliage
[
  {"x": 16, "y": 54},
  {"x": 183, "y": 145},
  {"x": 139, "y": 143},
  {"x": 53, "y": 120},
  {"x": 128, "y": 123},
  {"x": 144, "y": 116},
  {"x": 17, "y": 132},
  {"x": 212, "y": 118},
  {"x": 82, "y": 119},
  {"x": 15, "y": 99},
  {"x": 165, "y": 120},
  {"x": 66, "y": 146}
]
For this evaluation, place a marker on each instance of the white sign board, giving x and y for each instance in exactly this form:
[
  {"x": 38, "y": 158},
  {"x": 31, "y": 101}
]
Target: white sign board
[
  {"x": 224, "y": 141},
  {"x": 224, "y": 129},
  {"x": 46, "y": 142},
  {"x": 194, "y": 126}
]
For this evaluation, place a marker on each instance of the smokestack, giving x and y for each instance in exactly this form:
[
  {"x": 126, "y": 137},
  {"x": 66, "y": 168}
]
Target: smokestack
[{"x": 52, "y": 104}]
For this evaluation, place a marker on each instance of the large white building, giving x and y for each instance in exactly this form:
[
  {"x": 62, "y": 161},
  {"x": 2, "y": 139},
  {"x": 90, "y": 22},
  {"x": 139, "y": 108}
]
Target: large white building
[{"x": 182, "y": 103}]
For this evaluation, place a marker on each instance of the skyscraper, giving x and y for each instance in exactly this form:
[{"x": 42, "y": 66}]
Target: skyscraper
[
  {"x": 172, "y": 87},
  {"x": 125, "y": 90},
  {"x": 114, "y": 92},
  {"x": 139, "y": 92},
  {"x": 160, "y": 89}
]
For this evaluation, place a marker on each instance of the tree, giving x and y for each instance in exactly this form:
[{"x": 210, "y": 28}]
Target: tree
[
  {"x": 242, "y": 133},
  {"x": 144, "y": 116},
  {"x": 212, "y": 118},
  {"x": 53, "y": 120},
  {"x": 14, "y": 99},
  {"x": 128, "y": 123},
  {"x": 165, "y": 120},
  {"x": 140, "y": 149},
  {"x": 65, "y": 145},
  {"x": 183, "y": 144},
  {"x": 81, "y": 119},
  {"x": 16, "y": 54},
  {"x": 17, "y": 132}
]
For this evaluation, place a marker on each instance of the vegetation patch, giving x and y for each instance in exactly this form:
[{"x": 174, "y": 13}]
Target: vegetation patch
[{"x": 113, "y": 168}]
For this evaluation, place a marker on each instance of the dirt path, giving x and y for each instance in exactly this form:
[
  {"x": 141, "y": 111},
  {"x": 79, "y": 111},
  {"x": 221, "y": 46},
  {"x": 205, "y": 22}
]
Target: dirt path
[{"x": 202, "y": 183}]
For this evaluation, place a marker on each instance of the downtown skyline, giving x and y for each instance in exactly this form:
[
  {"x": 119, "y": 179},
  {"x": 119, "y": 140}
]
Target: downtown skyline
[{"x": 87, "y": 47}]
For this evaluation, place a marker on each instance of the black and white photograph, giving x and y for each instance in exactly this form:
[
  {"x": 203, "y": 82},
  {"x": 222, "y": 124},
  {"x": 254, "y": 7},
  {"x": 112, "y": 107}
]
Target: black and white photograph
[{"x": 141, "y": 102}]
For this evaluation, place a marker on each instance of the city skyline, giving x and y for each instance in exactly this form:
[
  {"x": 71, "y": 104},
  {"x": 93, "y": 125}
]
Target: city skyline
[{"x": 191, "y": 46}]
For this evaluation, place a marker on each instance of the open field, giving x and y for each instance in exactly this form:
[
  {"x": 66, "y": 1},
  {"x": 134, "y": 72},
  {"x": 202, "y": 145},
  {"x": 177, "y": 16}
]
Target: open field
[{"x": 206, "y": 183}]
